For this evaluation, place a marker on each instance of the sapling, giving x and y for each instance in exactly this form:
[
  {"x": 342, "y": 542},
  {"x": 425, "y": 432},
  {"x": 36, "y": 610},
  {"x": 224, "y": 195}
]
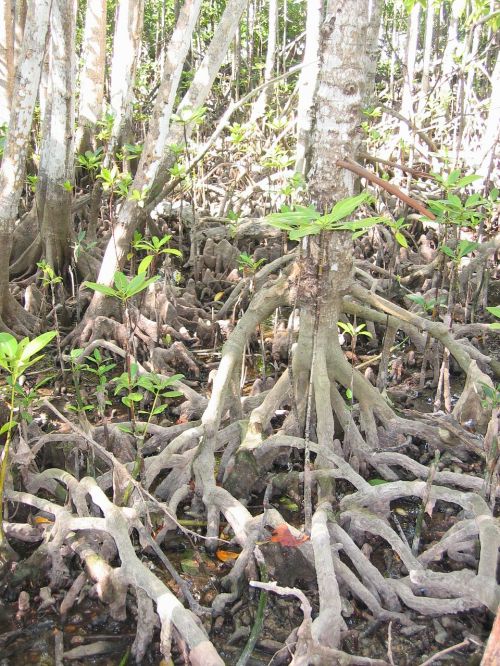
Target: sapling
[
  {"x": 123, "y": 290},
  {"x": 15, "y": 358},
  {"x": 160, "y": 389}
]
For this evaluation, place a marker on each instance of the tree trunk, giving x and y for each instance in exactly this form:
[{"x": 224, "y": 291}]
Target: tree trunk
[
  {"x": 259, "y": 107},
  {"x": 14, "y": 159},
  {"x": 341, "y": 87},
  {"x": 155, "y": 174},
  {"x": 448, "y": 64},
  {"x": 307, "y": 83},
  {"x": 56, "y": 160},
  {"x": 325, "y": 272},
  {"x": 6, "y": 59},
  {"x": 426, "y": 64},
  {"x": 407, "y": 109},
  {"x": 126, "y": 51},
  {"x": 92, "y": 74},
  {"x": 491, "y": 134}
]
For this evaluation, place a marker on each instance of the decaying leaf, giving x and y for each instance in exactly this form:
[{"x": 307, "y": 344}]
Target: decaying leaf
[
  {"x": 226, "y": 555},
  {"x": 283, "y": 536}
]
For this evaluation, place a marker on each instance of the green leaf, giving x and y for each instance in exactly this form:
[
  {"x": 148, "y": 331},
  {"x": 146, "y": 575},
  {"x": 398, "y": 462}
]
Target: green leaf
[
  {"x": 37, "y": 344},
  {"x": 172, "y": 394},
  {"x": 121, "y": 282},
  {"x": 348, "y": 394},
  {"x": 8, "y": 346},
  {"x": 135, "y": 397},
  {"x": 101, "y": 288},
  {"x": 377, "y": 482},
  {"x": 145, "y": 263},
  {"x": 125, "y": 428},
  {"x": 312, "y": 230},
  {"x": 448, "y": 251},
  {"x": 467, "y": 180},
  {"x": 465, "y": 247},
  {"x": 159, "y": 410},
  {"x": 173, "y": 251},
  {"x": 139, "y": 283},
  {"x": 495, "y": 326},
  {"x": 495, "y": 311},
  {"x": 401, "y": 239},
  {"x": 345, "y": 207},
  {"x": 7, "y": 426}
]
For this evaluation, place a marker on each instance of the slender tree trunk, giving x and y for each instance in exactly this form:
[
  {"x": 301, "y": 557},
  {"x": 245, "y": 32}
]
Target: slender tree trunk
[
  {"x": 6, "y": 59},
  {"x": 92, "y": 73},
  {"x": 307, "y": 83},
  {"x": 13, "y": 166},
  {"x": 126, "y": 51},
  {"x": 427, "y": 55},
  {"x": 407, "y": 109},
  {"x": 491, "y": 136},
  {"x": 20, "y": 12},
  {"x": 341, "y": 89},
  {"x": 57, "y": 156},
  {"x": 448, "y": 63},
  {"x": 325, "y": 273},
  {"x": 259, "y": 107},
  {"x": 152, "y": 173}
]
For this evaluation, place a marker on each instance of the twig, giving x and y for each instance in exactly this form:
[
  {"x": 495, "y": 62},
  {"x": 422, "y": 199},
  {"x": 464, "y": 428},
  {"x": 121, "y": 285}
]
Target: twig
[
  {"x": 389, "y": 644},
  {"x": 440, "y": 654},
  {"x": 353, "y": 166},
  {"x": 259, "y": 618}
]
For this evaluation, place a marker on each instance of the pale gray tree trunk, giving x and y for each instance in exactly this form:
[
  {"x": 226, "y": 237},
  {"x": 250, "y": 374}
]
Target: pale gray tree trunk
[
  {"x": 407, "y": 109},
  {"x": 13, "y": 166},
  {"x": 448, "y": 62},
  {"x": 126, "y": 51},
  {"x": 326, "y": 270},
  {"x": 307, "y": 83},
  {"x": 152, "y": 172},
  {"x": 491, "y": 136},
  {"x": 20, "y": 12},
  {"x": 427, "y": 55},
  {"x": 92, "y": 73},
  {"x": 259, "y": 107},
  {"x": 6, "y": 59},
  {"x": 57, "y": 155}
]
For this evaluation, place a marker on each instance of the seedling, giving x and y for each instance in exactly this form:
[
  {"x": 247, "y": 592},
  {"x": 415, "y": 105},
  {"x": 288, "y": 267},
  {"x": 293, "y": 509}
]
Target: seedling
[{"x": 15, "y": 358}]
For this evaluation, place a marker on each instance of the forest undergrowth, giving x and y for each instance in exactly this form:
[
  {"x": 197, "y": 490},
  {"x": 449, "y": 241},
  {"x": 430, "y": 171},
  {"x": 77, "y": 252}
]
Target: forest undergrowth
[
  {"x": 103, "y": 504},
  {"x": 250, "y": 370}
]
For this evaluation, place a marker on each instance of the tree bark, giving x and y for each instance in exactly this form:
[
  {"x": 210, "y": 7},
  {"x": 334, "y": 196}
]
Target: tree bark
[
  {"x": 14, "y": 159},
  {"x": 307, "y": 83},
  {"x": 92, "y": 73},
  {"x": 259, "y": 107},
  {"x": 325, "y": 273},
  {"x": 57, "y": 156},
  {"x": 152, "y": 171},
  {"x": 126, "y": 50},
  {"x": 6, "y": 59}
]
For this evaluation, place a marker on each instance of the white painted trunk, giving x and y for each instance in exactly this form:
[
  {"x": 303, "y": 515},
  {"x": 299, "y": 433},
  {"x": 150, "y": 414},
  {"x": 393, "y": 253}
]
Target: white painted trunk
[
  {"x": 92, "y": 73},
  {"x": 126, "y": 51},
  {"x": 307, "y": 83}
]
